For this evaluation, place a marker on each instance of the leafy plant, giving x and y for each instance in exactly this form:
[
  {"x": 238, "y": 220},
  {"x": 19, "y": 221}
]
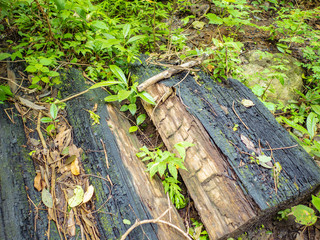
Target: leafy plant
[
  {"x": 197, "y": 232},
  {"x": 224, "y": 61},
  {"x": 166, "y": 164},
  {"x": 5, "y": 92},
  {"x": 303, "y": 215},
  {"x": 140, "y": 119},
  {"x": 52, "y": 120}
]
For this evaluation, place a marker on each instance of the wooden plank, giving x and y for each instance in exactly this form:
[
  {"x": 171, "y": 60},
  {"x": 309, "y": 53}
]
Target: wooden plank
[
  {"x": 230, "y": 192},
  {"x": 18, "y": 217},
  {"x": 134, "y": 194}
]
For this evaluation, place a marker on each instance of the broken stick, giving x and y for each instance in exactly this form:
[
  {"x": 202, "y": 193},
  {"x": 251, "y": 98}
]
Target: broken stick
[{"x": 168, "y": 73}]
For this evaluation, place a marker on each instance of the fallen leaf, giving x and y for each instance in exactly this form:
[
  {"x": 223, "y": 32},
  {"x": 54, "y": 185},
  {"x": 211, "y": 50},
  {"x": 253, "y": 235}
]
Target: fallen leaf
[
  {"x": 70, "y": 159},
  {"x": 265, "y": 161},
  {"x": 30, "y": 104},
  {"x": 77, "y": 197},
  {"x": 37, "y": 182},
  {"x": 247, "y": 103},
  {"x": 47, "y": 198},
  {"x": 88, "y": 194},
  {"x": 75, "y": 169},
  {"x": 198, "y": 25}
]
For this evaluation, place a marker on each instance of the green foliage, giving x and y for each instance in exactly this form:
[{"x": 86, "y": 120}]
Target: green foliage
[
  {"x": 225, "y": 59},
  {"x": 166, "y": 164},
  {"x": 140, "y": 119},
  {"x": 5, "y": 92},
  {"x": 303, "y": 215},
  {"x": 197, "y": 232},
  {"x": 52, "y": 119},
  {"x": 230, "y": 13}
]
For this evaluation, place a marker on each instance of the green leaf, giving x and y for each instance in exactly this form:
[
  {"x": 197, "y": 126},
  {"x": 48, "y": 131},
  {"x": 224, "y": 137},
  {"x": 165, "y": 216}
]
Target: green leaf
[
  {"x": 294, "y": 125},
  {"x": 146, "y": 97},
  {"x": 132, "y": 108},
  {"x": 214, "y": 19},
  {"x": 4, "y": 56},
  {"x": 45, "y": 61},
  {"x": 125, "y": 30},
  {"x": 46, "y": 198},
  {"x": 123, "y": 94},
  {"x": 60, "y": 4},
  {"x": 126, "y": 221},
  {"x": 316, "y": 109},
  {"x": 109, "y": 43},
  {"x": 111, "y": 98},
  {"x": 173, "y": 170},
  {"x": 53, "y": 111},
  {"x": 316, "y": 202},
  {"x": 133, "y": 129},
  {"x": 77, "y": 197},
  {"x": 304, "y": 215},
  {"x": 141, "y": 119},
  {"x": 119, "y": 73},
  {"x": 104, "y": 84},
  {"x": 181, "y": 148},
  {"x": 46, "y": 120},
  {"x": 31, "y": 68},
  {"x": 312, "y": 121},
  {"x": 136, "y": 38},
  {"x": 50, "y": 129},
  {"x": 124, "y": 108},
  {"x": 100, "y": 25},
  {"x": 45, "y": 79}
]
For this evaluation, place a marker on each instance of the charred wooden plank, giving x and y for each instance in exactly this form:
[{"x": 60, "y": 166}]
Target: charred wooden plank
[
  {"x": 18, "y": 216},
  {"x": 230, "y": 192},
  {"x": 133, "y": 195}
]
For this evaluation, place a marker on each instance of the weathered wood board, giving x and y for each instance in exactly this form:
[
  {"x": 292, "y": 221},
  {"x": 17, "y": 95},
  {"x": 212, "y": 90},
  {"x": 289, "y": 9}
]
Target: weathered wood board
[
  {"x": 18, "y": 217},
  {"x": 229, "y": 191},
  {"x": 133, "y": 195}
]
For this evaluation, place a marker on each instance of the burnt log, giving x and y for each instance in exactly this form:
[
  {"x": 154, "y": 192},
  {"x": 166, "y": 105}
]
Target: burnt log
[
  {"x": 19, "y": 218},
  {"x": 130, "y": 194},
  {"x": 230, "y": 191}
]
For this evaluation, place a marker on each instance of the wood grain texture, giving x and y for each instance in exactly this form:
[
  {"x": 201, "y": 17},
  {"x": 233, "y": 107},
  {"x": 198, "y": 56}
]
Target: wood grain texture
[
  {"x": 133, "y": 195},
  {"x": 229, "y": 190},
  {"x": 150, "y": 191}
]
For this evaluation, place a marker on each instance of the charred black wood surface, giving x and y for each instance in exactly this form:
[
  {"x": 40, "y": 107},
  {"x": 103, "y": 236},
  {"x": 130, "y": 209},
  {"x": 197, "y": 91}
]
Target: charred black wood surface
[
  {"x": 117, "y": 202},
  {"x": 212, "y": 103},
  {"x": 17, "y": 214}
]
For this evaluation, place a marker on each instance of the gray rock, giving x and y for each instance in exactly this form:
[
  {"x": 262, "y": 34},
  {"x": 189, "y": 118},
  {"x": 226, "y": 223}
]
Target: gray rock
[{"x": 262, "y": 68}]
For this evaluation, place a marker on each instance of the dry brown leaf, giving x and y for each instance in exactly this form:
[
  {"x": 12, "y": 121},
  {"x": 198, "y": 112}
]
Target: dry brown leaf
[
  {"x": 37, "y": 182},
  {"x": 210, "y": 67},
  {"x": 71, "y": 225},
  {"x": 30, "y": 104},
  {"x": 73, "y": 150},
  {"x": 88, "y": 194},
  {"x": 63, "y": 139},
  {"x": 247, "y": 103},
  {"x": 75, "y": 169}
]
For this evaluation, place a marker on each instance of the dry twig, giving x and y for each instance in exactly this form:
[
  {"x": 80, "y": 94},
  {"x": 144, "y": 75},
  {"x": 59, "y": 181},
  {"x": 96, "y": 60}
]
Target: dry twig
[{"x": 157, "y": 220}]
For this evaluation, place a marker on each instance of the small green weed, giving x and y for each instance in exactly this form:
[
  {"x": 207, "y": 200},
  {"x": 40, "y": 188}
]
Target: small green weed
[{"x": 166, "y": 164}]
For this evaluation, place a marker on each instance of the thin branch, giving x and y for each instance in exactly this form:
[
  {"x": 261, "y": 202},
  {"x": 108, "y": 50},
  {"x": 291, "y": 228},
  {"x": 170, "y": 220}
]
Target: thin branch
[
  {"x": 238, "y": 116},
  {"x": 157, "y": 220},
  {"x": 168, "y": 73}
]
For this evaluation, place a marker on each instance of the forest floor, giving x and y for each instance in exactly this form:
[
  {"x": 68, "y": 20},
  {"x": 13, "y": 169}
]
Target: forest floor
[{"x": 253, "y": 39}]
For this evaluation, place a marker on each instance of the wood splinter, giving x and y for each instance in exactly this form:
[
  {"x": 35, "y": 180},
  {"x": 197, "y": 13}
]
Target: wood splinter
[{"x": 168, "y": 73}]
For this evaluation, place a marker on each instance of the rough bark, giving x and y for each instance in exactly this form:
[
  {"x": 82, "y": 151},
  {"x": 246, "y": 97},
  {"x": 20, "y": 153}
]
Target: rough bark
[
  {"x": 134, "y": 194},
  {"x": 230, "y": 192}
]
